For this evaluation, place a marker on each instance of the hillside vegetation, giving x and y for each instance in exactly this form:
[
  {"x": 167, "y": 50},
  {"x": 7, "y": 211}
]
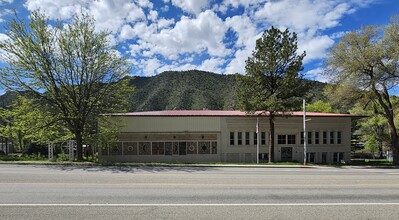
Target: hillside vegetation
[{"x": 185, "y": 90}]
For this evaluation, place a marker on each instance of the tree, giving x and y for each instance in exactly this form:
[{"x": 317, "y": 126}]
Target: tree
[
  {"x": 319, "y": 106},
  {"x": 371, "y": 145},
  {"x": 29, "y": 121},
  {"x": 374, "y": 127},
  {"x": 273, "y": 82},
  {"x": 368, "y": 59},
  {"x": 68, "y": 66}
]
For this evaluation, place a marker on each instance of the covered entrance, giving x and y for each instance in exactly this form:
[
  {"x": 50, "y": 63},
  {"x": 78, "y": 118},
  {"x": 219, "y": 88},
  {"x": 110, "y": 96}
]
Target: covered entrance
[{"x": 286, "y": 154}]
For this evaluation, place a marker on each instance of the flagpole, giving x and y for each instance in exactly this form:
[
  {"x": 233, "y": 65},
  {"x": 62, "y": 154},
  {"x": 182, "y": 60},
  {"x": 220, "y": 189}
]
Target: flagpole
[
  {"x": 257, "y": 140},
  {"x": 304, "y": 133}
]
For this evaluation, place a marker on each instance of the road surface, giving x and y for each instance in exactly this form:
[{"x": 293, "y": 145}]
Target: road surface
[{"x": 110, "y": 192}]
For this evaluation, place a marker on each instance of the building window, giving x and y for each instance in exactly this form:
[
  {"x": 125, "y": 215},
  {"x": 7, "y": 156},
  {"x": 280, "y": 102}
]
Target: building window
[
  {"x": 339, "y": 140},
  {"x": 263, "y": 138},
  {"x": 191, "y": 147},
  {"x": 158, "y": 148},
  {"x": 309, "y": 137},
  {"x": 310, "y": 157},
  {"x": 247, "y": 138},
  {"x": 302, "y": 138},
  {"x": 291, "y": 139},
  {"x": 231, "y": 138},
  {"x": 255, "y": 138},
  {"x": 239, "y": 139},
  {"x": 214, "y": 147},
  {"x": 332, "y": 137},
  {"x": 338, "y": 157},
  {"x": 316, "y": 137},
  {"x": 281, "y": 139},
  {"x": 324, "y": 137},
  {"x": 204, "y": 148}
]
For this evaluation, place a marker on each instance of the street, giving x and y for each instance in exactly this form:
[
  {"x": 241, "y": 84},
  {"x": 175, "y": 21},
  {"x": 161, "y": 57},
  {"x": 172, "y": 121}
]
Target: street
[{"x": 127, "y": 192}]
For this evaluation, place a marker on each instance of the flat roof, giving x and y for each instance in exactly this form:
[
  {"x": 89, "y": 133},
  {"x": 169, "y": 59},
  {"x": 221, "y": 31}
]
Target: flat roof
[{"x": 221, "y": 113}]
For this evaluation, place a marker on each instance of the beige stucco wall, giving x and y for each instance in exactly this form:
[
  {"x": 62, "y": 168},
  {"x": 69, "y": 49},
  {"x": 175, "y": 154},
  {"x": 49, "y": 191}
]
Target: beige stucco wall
[{"x": 150, "y": 128}]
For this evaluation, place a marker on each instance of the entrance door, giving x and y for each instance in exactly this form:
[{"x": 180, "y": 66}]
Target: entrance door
[
  {"x": 182, "y": 148},
  {"x": 286, "y": 154}
]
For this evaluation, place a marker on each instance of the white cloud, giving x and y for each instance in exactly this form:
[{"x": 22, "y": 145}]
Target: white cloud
[
  {"x": 212, "y": 65},
  {"x": 202, "y": 34},
  {"x": 317, "y": 74},
  {"x": 304, "y": 14},
  {"x": 315, "y": 47},
  {"x": 191, "y": 6}
]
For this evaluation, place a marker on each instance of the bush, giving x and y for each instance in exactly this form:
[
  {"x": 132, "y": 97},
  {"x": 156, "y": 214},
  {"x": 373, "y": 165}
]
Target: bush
[{"x": 34, "y": 148}]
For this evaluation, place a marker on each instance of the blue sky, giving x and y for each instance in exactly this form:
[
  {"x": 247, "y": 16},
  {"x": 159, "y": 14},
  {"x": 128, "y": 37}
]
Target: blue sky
[{"x": 210, "y": 35}]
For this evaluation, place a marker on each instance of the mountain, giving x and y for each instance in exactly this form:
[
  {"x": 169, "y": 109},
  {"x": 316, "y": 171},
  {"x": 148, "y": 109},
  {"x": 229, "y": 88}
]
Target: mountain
[
  {"x": 195, "y": 90},
  {"x": 188, "y": 90}
]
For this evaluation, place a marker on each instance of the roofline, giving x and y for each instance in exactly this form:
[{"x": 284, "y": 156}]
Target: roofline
[{"x": 225, "y": 113}]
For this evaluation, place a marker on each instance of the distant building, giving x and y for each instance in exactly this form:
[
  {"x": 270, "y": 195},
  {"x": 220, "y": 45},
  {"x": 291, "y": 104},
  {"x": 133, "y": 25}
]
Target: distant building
[{"x": 228, "y": 136}]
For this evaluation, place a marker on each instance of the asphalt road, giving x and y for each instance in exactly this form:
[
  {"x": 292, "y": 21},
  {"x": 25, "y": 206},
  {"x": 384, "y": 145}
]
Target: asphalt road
[{"x": 78, "y": 192}]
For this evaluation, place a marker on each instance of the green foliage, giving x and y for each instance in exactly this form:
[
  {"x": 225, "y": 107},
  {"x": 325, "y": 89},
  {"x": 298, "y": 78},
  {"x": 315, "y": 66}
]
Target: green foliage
[
  {"x": 29, "y": 121},
  {"x": 371, "y": 145},
  {"x": 319, "y": 106},
  {"x": 368, "y": 60},
  {"x": 69, "y": 66},
  {"x": 273, "y": 81},
  {"x": 185, "y": 90}
]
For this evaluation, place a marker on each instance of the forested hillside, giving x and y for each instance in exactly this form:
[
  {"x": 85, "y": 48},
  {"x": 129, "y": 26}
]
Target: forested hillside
[
  {"x": 184, "y": 90},
  {"x": 188, "y": 90}
]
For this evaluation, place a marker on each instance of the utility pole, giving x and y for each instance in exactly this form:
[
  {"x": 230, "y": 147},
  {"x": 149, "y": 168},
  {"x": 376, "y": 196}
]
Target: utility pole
[
  {"x": 304, "y": 133},
  {"x": 257, "y": 140}
]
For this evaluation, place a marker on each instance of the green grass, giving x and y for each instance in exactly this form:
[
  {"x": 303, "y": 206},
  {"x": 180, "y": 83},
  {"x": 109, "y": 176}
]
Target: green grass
[{"x": 16, "y": 157}]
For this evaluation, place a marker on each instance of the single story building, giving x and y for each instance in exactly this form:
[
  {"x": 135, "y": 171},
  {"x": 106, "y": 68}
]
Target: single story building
[{"x": 227, "y": 136}]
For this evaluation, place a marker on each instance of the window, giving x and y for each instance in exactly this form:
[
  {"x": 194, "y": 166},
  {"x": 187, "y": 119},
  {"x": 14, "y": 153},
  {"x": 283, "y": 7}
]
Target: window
[
  {"x": 247, "y": 138},
  {"x": 338, "y": 157},
  {"x": 239, "y": 139},
  {"x": 231, "y": 138},
  {"x": 339, "y": 140},
  {"x": 324, "y": 137},
  {"x": 255, "y": 138},
  {"x": 310, "y": 157},
  {"x": 263, "y": 138},
  {"x": 316, "y": 137},
  {"x": 302, "y": 138},
  {"x": 204, "y": 148},
  {"x": 130, "y": 148},
  {"x": 291, "y": 139},
  {"x": 309, "y": 137},
  {"x": 158, "y": 148},
  {"x": 281, "y": 139},
  {"x": 332, "y": 137}
]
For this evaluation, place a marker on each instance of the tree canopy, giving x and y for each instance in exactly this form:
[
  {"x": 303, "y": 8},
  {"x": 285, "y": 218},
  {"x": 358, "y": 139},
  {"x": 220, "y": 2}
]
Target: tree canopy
[
  {"x": 69, "y": 66},
  {"x": 368, "y": 59},
  {"x": 273, "y": 80}
]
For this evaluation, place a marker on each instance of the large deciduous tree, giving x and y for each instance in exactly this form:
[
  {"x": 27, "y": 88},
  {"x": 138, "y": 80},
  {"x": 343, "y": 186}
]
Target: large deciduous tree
[
  {"x": 368, "y": 59},
  {"x": 69, "y": 66},
  {"x": 273, "y": 83}
]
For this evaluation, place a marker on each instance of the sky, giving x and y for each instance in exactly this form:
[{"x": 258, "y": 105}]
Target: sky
[{"x": 210, "y": 35}]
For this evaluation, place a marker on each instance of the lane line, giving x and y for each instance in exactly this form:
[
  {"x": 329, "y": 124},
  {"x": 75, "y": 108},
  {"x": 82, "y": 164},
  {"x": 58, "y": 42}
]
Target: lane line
[{"x": 200, "y": 204}]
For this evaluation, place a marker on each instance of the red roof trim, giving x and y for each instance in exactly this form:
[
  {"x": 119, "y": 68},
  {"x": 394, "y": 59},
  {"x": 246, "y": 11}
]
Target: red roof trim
[{"x": 216, "y": 113}]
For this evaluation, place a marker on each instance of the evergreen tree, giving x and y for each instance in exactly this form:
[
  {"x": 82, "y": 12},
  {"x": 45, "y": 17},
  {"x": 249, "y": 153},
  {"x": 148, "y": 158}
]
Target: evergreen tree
[{"x": 273, "y": 83}]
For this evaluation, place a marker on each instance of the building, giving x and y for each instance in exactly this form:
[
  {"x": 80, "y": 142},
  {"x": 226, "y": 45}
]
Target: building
[{"x": 227, "y": 136}]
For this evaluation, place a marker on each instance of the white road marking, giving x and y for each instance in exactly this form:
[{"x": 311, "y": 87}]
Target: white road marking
[{"x": 200, "y": 204}]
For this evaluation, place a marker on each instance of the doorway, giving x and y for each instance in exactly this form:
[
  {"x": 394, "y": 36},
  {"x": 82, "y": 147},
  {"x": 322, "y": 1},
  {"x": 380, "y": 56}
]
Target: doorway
[{"x": 286, "y": 154}]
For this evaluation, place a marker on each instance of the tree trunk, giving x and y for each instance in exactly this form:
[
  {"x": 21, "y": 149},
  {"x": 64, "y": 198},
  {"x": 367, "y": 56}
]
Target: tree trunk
[
  {"x": 395, "y": 150},
  {"x": 79, "y": 145},
  {"x": 380, "y": 152},
  {"x": 271, "y": 137}
]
